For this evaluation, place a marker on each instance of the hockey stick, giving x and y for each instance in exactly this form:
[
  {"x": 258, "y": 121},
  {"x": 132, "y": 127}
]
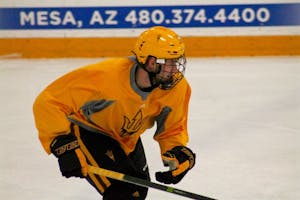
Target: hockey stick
[{"x": 144, "y": 183}]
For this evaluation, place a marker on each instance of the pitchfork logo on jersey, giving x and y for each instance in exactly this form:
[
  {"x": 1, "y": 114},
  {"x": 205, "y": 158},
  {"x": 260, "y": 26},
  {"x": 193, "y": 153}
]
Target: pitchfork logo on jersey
[{"x": 131, "y": 126}]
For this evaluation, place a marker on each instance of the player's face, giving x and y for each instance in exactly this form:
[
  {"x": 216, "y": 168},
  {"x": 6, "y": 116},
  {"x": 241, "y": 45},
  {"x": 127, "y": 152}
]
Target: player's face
[
  {"x": 171, "y": 71},
  {"x": 167, "y": 72},
  {"x": 168, "y": 69}
]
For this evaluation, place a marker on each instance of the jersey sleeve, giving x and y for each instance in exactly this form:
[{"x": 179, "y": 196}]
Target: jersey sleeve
[
  {"x": 60, "y": 99},
  {"x": 172, "y": 122}
]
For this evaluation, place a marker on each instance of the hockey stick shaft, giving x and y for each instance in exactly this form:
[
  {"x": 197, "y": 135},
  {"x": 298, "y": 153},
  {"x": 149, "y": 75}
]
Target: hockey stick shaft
[{"x": 144, "y": 183}]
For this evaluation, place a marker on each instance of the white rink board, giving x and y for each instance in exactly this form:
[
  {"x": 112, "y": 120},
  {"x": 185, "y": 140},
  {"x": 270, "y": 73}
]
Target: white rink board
[{"x": 206, "y": 31}]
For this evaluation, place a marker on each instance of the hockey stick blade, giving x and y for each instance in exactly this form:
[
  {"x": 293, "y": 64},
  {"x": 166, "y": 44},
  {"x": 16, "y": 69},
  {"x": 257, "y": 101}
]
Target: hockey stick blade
[{"x": 144, "y": 183}]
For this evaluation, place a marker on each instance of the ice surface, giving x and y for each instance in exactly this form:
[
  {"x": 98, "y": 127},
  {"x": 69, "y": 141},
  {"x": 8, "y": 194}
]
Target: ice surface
[{"x": 244, "y": 125}]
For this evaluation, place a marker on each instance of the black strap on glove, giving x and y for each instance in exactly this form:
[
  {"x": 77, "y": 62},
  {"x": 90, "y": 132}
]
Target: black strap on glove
[
  {"x": 180, "y": 159},
  {"x": 71, "y": 160}
]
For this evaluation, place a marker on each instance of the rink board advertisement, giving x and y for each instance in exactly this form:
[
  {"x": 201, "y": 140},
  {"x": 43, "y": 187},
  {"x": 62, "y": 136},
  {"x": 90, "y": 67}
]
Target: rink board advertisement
[
  {"x": 39, "y": 30},
  {"x": 128, "y": 17}
]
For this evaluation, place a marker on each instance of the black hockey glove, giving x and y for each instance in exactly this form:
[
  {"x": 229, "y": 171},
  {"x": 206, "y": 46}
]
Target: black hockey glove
[
  {"x": 180, "y": 159},
  {"x": 72, "y": 161}
]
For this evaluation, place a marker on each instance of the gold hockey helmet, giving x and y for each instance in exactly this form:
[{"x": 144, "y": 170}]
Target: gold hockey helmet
[{"x": 159, "y": 42}]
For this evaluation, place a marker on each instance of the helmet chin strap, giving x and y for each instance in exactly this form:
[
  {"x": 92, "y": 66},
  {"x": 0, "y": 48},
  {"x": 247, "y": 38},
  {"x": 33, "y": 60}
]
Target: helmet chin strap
[{"x": 152, "y": 78}]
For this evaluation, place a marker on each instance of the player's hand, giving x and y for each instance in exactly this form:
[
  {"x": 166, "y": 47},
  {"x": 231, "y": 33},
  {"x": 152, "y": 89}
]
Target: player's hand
[
  {"x": 72, "y": 161},
  {"x": 180, "y": 159}
]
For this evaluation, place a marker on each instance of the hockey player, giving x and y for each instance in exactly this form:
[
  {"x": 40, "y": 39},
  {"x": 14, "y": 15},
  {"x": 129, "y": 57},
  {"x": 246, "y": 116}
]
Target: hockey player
[{"x": 96, "y": 114}]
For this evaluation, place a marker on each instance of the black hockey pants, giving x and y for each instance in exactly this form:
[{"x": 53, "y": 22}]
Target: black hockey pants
[{"x": 105, "y": 152}]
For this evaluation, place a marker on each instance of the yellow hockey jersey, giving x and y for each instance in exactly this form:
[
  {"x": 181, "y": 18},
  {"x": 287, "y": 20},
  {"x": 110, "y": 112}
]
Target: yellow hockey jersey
[{"x": 105, "y": 99}]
